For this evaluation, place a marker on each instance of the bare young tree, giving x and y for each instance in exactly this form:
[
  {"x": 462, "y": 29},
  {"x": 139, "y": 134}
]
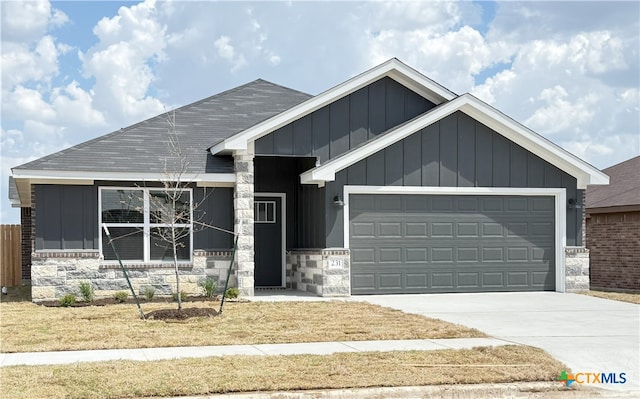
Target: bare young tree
[{"x": 171, "y": 206}]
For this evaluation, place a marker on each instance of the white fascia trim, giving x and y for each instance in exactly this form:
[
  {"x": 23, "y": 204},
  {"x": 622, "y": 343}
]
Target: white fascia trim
[
  {"x": 392, "y": 68},
  {"x": 559, "y": 195},
  {"x": 584, "y": 173},
  {"x": 74, "y": 177}
]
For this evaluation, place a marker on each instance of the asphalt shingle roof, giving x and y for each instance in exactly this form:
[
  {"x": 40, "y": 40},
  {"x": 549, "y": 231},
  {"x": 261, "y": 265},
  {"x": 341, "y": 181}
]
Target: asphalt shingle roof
[
  {"x": 143, "y": 147},
  {"x": 623, "y": 188}
]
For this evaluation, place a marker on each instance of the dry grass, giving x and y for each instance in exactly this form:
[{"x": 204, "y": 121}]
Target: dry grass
[
  {"x": 250, "y": 373},
  {"x": 615, "y": 296},
  {"x": 26, "y": 327}
]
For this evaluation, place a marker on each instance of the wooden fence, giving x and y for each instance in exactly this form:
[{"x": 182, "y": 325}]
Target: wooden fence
[{"x": 10, "y": 255}]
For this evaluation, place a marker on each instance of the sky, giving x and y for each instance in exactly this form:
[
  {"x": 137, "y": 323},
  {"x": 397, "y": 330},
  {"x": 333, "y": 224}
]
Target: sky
[{"x": 72, "y": 71}]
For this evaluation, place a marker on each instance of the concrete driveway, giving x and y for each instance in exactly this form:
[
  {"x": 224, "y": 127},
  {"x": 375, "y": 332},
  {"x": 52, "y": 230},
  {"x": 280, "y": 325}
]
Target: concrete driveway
[{"x": 588, "y": 334}]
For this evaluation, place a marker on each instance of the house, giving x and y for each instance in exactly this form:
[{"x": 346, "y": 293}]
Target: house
[
  {"x": 613, "y": 229},
  {"x": 386, "y": 183}
]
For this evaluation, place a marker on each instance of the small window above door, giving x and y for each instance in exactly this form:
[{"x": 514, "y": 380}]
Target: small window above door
[{"x": 264, "y": 211}]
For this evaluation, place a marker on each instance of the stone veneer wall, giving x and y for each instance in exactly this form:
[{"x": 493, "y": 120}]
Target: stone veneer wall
[
  {"x": 243, "y": 222},
  {"x": 57, "y": 273},
  {"x": 576, "y": 268},
  {"x": 324, "y": 272}
]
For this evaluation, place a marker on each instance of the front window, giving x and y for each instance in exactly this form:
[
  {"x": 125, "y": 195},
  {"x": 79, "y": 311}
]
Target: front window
[{"x": 145, "y": 222}]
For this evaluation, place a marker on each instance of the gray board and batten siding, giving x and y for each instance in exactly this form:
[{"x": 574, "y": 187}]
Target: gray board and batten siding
[
  {"x": 457, "y": 151},
  {"x": 66, "y": 216},
  {"x": 345, "y": 123},
  {"x": 305, "y": 204}
]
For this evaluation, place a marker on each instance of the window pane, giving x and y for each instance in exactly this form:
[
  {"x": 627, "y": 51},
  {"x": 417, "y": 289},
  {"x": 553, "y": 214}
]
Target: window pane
[
  {"x": 122, "y": 206},
  {"x": 161, "y": 243},
  {"x": 169, "y": 206},
  {"x": 128, "y": 243}
]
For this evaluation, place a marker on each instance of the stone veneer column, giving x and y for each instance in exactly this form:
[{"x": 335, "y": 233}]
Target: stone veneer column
[
  {"x": 243, "y": 222},
  {"x": 576, "y": 268}
]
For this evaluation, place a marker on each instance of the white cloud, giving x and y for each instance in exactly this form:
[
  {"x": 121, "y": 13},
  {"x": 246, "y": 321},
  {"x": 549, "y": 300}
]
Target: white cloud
[
  {"x": 122, "y": 62},
  {"x": 24, "y": 63},
  {"x": 561, "y": 114},
  {"x": 227, "y": 52},
  {"x": 27, "y": 21}
]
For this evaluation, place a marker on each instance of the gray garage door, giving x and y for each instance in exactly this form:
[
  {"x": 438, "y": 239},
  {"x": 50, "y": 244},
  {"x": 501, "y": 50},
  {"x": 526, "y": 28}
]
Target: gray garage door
[{"x": 438, "y": 243}]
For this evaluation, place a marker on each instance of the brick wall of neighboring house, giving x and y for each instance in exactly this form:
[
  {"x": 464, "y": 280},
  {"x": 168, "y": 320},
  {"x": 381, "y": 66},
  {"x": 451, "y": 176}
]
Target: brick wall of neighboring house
[
  {"x": 26, "y": 245},
  {"x": 614, "y": 242}
]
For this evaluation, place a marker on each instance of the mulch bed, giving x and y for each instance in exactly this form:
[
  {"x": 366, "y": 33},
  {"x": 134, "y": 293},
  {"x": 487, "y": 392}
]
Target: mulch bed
[
  {"x": 185, "y": 313},
  {"x": 113, "y": 301},
  {"x": 161, "y": 314}
]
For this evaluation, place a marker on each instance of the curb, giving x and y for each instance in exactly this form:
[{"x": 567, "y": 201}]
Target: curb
[{"x": 552, "y": 390}]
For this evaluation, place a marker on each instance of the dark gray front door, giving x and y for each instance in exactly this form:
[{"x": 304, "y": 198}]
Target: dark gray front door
[
  {"x": 448, "y": 243},
  {"x": 268, "y": 241}
]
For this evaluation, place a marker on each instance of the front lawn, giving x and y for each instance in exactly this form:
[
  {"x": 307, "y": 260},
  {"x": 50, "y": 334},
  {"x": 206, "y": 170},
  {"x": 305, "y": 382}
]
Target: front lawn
[
  {"x": 615, "y": 296},
  {"x": 125, "y": 379},
  {"x": 26, "y": 327}
]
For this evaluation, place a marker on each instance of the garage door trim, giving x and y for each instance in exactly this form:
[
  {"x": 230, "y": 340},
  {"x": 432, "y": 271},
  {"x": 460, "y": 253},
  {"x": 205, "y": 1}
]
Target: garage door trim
[{"x": 559, "y": 195}]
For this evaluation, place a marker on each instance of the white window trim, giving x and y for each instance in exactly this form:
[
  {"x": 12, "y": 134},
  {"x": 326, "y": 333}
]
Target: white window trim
[
  {"x": 559, "y": 195},
  {"x": 146, "y": 225}
]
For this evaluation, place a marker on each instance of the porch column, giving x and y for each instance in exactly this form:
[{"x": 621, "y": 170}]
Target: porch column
[{"x": 243, "y": 221}]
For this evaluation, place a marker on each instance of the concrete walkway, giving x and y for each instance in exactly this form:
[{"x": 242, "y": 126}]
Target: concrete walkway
[
  {"x": 313, "y": 348},
  {"x": 588, "y": 334}
]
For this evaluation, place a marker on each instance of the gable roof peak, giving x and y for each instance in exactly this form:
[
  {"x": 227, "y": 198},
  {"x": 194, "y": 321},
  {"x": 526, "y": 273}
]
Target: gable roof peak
[{"x": 392, "y": 68}]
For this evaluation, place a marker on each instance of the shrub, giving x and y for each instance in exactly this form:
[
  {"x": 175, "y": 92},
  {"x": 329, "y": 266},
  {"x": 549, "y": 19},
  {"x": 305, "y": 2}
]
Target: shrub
[
  {"x": 121, "y": 296},
  {"x": 209, "y": 286},
  {"x": 232, "y": 293},
  {"x": 86, "y": 290},
  {"x": 68, "y": 300},
  {"x": 149, "y": 291},
  {"x": 183, "y": 296}
]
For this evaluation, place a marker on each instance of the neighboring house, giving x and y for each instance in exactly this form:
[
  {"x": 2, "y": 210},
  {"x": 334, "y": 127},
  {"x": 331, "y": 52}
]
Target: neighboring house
[
  {"x": 386, "y": 183},
  {"x": 613, "y": 228}
]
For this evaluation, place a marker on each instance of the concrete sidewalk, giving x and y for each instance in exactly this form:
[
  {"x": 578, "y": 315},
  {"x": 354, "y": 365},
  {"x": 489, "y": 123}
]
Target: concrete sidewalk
[{"x": 313, "y": 348}]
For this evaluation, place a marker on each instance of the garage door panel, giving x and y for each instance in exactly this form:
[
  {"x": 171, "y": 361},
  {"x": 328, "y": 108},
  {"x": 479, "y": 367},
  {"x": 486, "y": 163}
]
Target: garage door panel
[
  {"x": 390, "y": 229},
  {"x": 416, "y": 229},
  {"x": 467, "y": 229},
  {"x": 363, "y": 255},
  {"x": 441, "y": 229},
  {"x": 416, "y": 280},
  {"x": 493, "y": 279},
  {"x": 413, "y": 255},
  {"x": 432, "y": 243},
  {"x": 363, "y": 282},
  {"x": 388, "y": 255},
  {"x": 390, "y": 280},
  {"x": 518, "y": 279},
  {"x": 442, "y": 280},
  {"x": 439, "y": 255},
  {"x": 466, "y": 204},
  {"x": 363, "y": 229},
  {"x": 468, "y": 255},
  {"x": 491, "y": 229}
]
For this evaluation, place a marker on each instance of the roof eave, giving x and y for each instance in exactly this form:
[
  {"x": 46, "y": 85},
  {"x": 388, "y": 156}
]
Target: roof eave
[
  {"x": 392, "y": 68},
  {"x": 584, "y": 173}
]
